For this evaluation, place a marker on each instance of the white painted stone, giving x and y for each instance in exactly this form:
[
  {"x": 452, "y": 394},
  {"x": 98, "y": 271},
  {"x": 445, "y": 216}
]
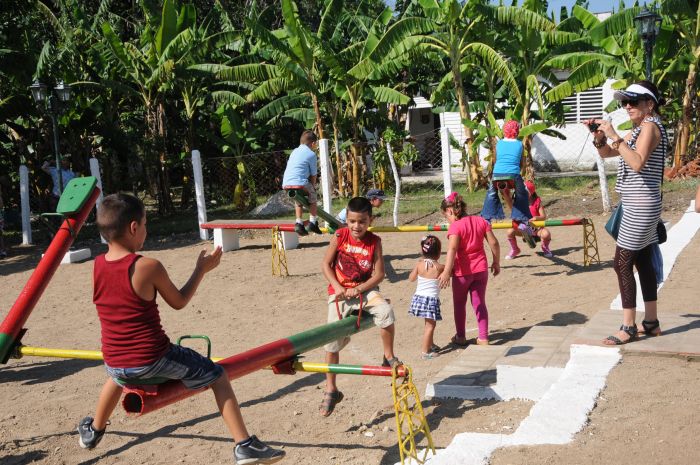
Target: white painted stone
[
  {"x": 227, "y": 239},
  {"x": 75, "y": 255},
  {"x": 555, "y": 419}
]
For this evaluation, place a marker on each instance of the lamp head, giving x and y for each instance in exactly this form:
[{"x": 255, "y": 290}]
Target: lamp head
[
  {"x": 38, "y": 91},
  {"x": 648, "y": 24},
  {"x": 63, "y": 91}
]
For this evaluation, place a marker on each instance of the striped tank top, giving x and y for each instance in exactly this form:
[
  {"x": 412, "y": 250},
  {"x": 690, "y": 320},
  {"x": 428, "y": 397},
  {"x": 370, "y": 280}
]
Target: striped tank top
[{"x": 641, "y": 193}]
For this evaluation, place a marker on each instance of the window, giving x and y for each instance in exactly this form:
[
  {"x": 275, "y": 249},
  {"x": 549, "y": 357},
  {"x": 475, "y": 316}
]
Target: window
[{"x": 585, "y": 105}]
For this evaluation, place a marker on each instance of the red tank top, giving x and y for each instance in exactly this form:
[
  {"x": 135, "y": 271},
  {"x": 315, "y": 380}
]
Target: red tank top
[
  {"x": 354, "y": 259},
  {"x": 131, "y": 332}
]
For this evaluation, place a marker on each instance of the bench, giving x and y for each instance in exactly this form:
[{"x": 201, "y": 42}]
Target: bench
[{"x": 226, "y": 232}]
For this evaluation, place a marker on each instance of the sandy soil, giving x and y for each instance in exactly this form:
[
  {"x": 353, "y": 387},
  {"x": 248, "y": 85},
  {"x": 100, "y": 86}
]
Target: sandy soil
[{"x": 645, "y": 415}]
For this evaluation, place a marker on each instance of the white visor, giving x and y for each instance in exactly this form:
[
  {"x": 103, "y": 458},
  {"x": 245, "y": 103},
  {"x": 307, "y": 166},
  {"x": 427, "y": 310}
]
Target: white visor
[{"x": 635, "y": 92}]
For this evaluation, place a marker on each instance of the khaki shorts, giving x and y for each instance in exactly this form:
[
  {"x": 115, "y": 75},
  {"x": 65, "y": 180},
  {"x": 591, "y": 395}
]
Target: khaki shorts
[
  {"x": 310, "y": 193},
  {"x": 374, "y": 304}
]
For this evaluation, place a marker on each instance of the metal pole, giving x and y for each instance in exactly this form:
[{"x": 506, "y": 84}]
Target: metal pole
[
  {"x": 52, "y": 114},
  {"x": 139, "y": 401},
  {"x": 44, "y": 271},
  {"x": 648, "y": 52}
]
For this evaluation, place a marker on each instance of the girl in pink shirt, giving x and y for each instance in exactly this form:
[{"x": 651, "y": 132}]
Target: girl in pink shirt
[{"x": 467, "y": 265}]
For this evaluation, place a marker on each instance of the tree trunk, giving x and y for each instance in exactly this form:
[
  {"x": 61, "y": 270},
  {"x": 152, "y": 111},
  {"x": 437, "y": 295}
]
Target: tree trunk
[
  {"x": 475, "y": 177},
  {"x": 683, "y": 130},
  {"x": 319, "y": 121},
  {"x": 186, "y": 178},
  {"x": 527, "y": 163},
  {"x": 166, "y": 203},
  {"x": 356, "y": 151},
  {"x": 338, "y": 155}
]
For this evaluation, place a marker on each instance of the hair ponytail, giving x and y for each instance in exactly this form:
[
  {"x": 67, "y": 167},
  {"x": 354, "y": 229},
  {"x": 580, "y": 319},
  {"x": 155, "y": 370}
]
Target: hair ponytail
[{"x": 456, "y": 203}]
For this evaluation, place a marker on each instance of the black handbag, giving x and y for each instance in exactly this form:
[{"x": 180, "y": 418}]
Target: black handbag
[
  {"x": 613, "y": 224},
  {"x": 661, "y": 232}
]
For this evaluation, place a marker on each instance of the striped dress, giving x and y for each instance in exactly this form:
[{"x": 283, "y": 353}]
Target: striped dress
[{"x": 640, "y": 194}]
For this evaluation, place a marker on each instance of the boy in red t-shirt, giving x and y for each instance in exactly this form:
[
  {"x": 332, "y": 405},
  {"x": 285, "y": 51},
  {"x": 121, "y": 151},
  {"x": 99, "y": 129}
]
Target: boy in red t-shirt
[
  {"x": 541, "y": 234},
  {"x": 134, "y": 345},
  {"x": 354, "y": 267}
]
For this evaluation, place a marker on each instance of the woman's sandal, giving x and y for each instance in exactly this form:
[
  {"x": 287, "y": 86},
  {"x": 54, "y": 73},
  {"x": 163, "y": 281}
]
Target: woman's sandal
[
  {"x": 482, "y": 342},
  {"x": 459, "y": 342},
  {"x": 650, "y": 328},
  {"x": 330, "y": 400},
  {"x": 631, "y": 331}
]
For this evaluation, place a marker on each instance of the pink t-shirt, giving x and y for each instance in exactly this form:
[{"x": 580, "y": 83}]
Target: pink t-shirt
[
  {"x": 535, "y": 207},
  {"x": 471, "y": 257}
]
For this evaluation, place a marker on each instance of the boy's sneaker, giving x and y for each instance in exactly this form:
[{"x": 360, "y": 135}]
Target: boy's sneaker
[
  {"x": 257, "y": 452},
  {"x": 299, "y": 229},
  {"x": 313, "y": 227},
  {"x": 513, "y": 253},
  {"x": 89, "y": 436},
  {"x": 528, "y": 234}
]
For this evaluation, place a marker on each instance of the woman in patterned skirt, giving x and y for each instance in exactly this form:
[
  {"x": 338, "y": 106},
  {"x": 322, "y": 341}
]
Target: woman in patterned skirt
[{"x": 642, "y": 154}]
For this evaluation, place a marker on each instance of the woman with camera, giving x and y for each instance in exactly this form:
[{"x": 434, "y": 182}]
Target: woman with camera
[{"x": 642, "y": 154}]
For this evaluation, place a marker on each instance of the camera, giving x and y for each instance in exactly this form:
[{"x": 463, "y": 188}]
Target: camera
[{"x": 593, "y": 127}]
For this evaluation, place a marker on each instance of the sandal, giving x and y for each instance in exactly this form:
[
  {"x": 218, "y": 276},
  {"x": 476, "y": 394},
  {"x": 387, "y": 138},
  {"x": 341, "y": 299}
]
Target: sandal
[
  {"x": 391, "y": 362},
  {"x": 330, "y": 400},
  {"x": 631, "y": 331},
  {"x": 482, "y": 342},
  {"x": 459, "y": 342},
  {"x": 650, "y": 328},
  {"x": 429, "y": 356}
]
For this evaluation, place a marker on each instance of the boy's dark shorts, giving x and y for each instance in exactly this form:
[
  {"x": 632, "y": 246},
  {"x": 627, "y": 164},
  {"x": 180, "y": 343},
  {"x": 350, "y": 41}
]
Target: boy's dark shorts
[{"x": 193, "y": 369}]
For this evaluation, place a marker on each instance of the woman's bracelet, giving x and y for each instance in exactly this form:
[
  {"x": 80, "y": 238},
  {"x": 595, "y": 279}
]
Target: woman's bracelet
[{"x": 600, "y": 144}]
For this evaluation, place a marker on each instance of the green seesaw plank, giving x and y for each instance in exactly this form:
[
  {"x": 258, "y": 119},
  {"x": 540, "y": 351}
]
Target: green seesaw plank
[
  {"x": 75, "y": 195},
  {"x": 300, "y": 195}
]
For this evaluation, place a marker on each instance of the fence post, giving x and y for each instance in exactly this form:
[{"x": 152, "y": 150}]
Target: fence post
[
  {"x": 325, "y": 174},
  {"x": 24, "y": 205},
  {"x": 95, "y": 172},
  {"x": 603, "y": 180},
  {"x": 397, "y": 182},
  {"x": 446, "y": 155},
  {"x": 199, "y": 193}
]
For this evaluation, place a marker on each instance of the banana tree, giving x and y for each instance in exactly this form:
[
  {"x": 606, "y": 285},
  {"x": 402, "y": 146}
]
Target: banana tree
[
  {"x": 454, "y": 30},
  {"x": 147, "y": 73},
  {"x": 687, "y": 23},
  {"x": 536, "y": 47}
]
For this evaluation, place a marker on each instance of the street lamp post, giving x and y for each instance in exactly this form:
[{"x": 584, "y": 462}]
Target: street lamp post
[
  {"x": 51, "y": 103},
  {"x": 648, "y": 24}
]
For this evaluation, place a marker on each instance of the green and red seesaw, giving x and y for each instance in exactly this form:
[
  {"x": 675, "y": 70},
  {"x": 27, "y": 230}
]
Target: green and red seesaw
[{"x": 76, "y": 202}]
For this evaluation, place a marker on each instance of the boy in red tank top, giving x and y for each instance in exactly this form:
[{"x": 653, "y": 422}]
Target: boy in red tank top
[
  {"x": 134, "y": 345},
  {"x": 354, "y": 267}
]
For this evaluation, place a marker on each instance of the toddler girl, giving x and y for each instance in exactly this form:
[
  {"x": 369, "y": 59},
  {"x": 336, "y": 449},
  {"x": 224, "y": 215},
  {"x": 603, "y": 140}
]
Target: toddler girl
[
  {"x": 467, "y": 265},
  {"x": 538, "y": 213},
  {"x": 426, "y": 303}
]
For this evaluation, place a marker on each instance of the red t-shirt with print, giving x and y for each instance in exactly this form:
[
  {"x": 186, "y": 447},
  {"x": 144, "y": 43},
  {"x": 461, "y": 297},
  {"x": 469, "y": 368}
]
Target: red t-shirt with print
[{"x": 354, "y": 258}]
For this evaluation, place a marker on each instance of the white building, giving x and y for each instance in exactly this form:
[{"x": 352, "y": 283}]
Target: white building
[{"x": 576, "y": 153}]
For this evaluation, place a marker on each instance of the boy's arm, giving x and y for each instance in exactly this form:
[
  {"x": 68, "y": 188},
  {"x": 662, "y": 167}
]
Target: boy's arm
[
  {"x": 446, "y": 274},
  {"x": 154, "y": 273},
  {"x": 377, "y": 274},
  {"x": 46, "y": 168},
  {"x": 495, "y": 252},
  {"x": 327, "y": 267}
]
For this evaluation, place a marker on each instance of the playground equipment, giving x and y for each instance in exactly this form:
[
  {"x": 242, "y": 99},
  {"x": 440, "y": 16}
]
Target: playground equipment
[
  {"x": 299, "y": 194},
  {"x": 74, "y": 205},
  {"x": 279, "y": 256}
]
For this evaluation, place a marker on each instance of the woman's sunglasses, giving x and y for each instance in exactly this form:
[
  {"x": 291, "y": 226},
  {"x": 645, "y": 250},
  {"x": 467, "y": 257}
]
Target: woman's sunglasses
[{"x": 632, "y": 103}]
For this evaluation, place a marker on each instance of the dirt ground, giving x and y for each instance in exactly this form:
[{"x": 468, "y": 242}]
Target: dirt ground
[{"x": 645, "y": 415}]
